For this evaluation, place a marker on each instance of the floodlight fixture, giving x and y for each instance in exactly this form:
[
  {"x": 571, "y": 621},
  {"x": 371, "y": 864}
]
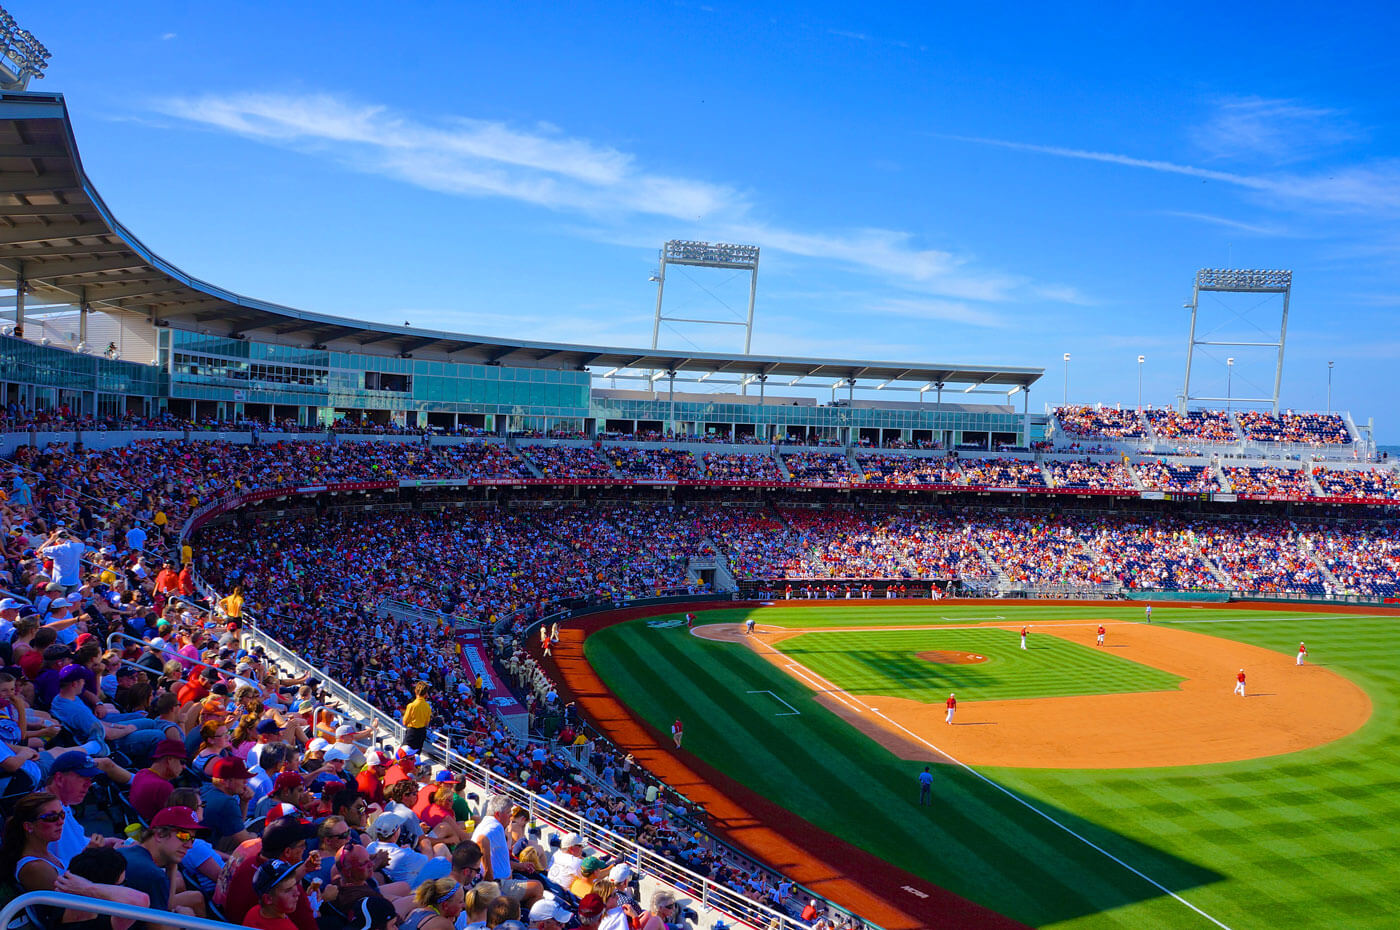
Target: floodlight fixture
[
  {"x": 1239, "y": 281},
  {"x": 714, "y": 255},
  {"x": 22, "y": 57}
]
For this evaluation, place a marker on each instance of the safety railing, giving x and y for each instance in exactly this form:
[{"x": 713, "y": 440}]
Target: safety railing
[{"x": 76, "y": 902}]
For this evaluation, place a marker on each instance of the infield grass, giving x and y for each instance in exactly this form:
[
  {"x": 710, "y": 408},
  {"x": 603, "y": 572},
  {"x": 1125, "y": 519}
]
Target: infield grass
[{"x": 1305, "y": 840}]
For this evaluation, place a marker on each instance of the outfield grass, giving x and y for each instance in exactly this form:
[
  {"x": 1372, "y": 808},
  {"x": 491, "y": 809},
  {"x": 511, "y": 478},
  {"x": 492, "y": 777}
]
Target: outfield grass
[
  {"x": 1306, "y": 840},
  {"x": 887, "y": 663}
]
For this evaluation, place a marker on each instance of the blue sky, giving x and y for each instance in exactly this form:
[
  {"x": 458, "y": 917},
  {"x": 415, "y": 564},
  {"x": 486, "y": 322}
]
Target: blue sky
[{"x": 926, "y": 184}]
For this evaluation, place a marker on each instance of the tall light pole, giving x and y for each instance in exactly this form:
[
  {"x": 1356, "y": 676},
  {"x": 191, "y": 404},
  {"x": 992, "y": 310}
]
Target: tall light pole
[
  {"x": 1141, "y": 359},
  {"x": 1066, "y": 402},
  {"x": 1329, "y": 386},
  {"x": 1229, "y": 373}
]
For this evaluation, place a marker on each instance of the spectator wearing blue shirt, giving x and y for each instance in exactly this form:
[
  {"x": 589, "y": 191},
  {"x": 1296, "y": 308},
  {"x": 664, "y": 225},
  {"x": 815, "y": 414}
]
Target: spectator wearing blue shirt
[
  {"x": 163, "y": 845},
  {"x": 66, "y": 553},
  {"x": 226, "y": 803},
  {"x": 137, "y": 739}
]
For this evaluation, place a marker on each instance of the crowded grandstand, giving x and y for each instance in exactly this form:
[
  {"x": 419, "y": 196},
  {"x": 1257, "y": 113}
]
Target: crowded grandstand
[{"x": 279, "y": 603}]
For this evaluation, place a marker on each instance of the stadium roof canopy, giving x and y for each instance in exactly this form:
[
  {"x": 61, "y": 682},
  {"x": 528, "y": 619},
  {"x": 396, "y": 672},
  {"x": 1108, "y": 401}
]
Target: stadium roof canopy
[{"x": 58, "y": 235}]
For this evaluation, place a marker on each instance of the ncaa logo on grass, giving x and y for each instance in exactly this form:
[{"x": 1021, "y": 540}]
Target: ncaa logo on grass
[{"x": 663, "y": 624}]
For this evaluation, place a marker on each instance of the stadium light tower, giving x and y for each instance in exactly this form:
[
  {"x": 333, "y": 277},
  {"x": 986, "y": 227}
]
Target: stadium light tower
[
  {"x": 1066, "y": 400},
  {"x": 22, "y": 57},
  {"x": 720, "y": 255},
  {"x": 1329, "y": 386},
  {"x": 1238, "y": 281},
  {"x": 1141, "y": 359},
  {"x": 1229, "y": 374}
]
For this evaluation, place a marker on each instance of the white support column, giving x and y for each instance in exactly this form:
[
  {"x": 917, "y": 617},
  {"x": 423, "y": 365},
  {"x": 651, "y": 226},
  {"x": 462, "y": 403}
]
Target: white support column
[{"x": 19, "y": 300}]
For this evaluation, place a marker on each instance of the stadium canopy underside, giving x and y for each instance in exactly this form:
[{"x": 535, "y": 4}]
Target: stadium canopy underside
[{"x": 61, "y": 241}]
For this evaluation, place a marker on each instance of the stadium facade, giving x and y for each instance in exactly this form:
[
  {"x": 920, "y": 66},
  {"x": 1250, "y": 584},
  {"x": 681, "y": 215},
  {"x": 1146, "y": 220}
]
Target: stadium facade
[{"x": 106, "y": 327}]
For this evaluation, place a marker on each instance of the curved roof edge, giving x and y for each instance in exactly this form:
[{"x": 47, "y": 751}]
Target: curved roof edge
[{"x": 59, "y": 235}]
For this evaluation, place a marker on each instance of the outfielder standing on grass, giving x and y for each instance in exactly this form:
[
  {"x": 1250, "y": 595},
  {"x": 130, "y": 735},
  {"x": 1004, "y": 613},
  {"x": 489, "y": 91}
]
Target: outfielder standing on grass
[
  {"x": 677, "y": 731},
  {"x": 1024, "y": 631},
  {"x": 1148, "y": 612}
]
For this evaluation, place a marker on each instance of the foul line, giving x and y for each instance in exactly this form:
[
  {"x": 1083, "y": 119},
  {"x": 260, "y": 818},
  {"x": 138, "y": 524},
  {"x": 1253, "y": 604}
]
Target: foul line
[
  {"x": 830, "y": 688},
  {"x": 838, "y": 692},
  {"x": 974, "y": 619},
  {"x": 795, "y": 711}
]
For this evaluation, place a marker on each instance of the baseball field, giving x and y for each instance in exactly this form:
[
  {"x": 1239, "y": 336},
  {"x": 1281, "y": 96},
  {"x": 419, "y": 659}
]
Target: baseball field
[{"x": 1121, "y": 785}]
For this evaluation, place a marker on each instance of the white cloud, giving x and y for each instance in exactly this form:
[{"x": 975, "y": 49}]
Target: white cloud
[
  {"x": 941, "y": 310},
  {"x": 544, "y": 166},
  {"x": 1259, "y": 229},
  {"x": 1276, "y": 131},
  {"x": 1372, "y": 188},
  {"x": 167, "y": 36}
]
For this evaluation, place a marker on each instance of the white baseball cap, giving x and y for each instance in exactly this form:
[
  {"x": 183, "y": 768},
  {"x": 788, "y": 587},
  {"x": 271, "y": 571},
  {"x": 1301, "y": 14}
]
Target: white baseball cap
[{"x": 547, "y": 908}]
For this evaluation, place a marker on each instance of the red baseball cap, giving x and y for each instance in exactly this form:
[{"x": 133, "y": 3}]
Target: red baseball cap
[
  {"x": 181, "y": 818},
  {"x": 229, "y": 767},
  {"x": 287, "y": 780}
]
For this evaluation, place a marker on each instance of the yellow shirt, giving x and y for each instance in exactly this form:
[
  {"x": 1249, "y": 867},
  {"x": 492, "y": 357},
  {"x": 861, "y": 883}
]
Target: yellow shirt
[
  {"x": 417, "y": 713},
  {"x": 232, "y": 605},
  {"x": 160, "y": 518},
  {"x": 186, "y": 554}
]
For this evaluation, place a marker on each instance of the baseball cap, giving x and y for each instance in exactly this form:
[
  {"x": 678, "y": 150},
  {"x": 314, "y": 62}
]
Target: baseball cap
[
  {"x": 589, "y": 864},
  {"x": 71, "y": 673},
  {"x": 372, "y": 913},
  {"x": 285, "y": 780},
  {"x": 374, "y": 758},
  {"x": 385, "y": 824},
  {"x": 621, "y": 873},
  {"x": 77, "y": 762},
  {"x": 337, "y": 752},
  {"x": 10, "y": 603},
  {"x": 229, "y": 767},
  {"x": 58, "y": 651},
  {"x": 443, "y": 775},
  {"x": 268, "y": 725},
  {"x": 571, "y": 839},
  {"x": 317, "y": 745},
  {"x": 271, "y": 874},
  {"x": 590, "y": 905},
  {"x": 181, "y": 818},
  {"x": 169, "y": 749},
  {"x": 343, "y": 730},
  {"x": 547, "y": 908}
]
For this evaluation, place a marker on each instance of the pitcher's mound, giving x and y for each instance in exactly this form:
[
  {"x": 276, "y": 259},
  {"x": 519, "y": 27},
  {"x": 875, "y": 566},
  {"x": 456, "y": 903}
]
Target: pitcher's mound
[{"x": 944, "y": 657}]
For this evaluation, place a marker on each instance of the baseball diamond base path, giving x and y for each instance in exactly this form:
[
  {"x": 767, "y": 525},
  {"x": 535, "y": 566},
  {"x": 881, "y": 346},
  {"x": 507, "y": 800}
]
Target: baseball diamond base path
[
  {"x": 1288, "y": 707},
  {"x": 837, "y": 870}
]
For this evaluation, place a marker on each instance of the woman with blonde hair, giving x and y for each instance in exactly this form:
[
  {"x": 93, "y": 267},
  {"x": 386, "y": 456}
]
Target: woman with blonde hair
[
  {"x": 439, "y": 901},
  {"x": 661, "y": 912},
  {"x": 475, "y": 902}
]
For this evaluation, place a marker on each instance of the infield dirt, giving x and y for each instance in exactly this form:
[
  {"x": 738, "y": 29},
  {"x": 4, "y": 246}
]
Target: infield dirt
[{"x": 1287, "y": 708}]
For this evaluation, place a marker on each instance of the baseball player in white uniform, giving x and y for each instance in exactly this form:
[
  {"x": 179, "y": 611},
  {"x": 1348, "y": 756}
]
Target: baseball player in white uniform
[{"x": 1302, "y": 654}]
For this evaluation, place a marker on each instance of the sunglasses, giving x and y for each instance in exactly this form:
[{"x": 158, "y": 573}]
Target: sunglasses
[
  {"x": 338, "y": 836},
  {"x": 53, "y": 817},
  {"x": 184, "y": 836}
]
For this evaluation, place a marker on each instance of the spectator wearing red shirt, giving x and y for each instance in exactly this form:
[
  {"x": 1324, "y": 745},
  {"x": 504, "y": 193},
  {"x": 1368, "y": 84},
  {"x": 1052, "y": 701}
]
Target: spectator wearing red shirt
[
  {"x": 151, "y": 787},
  {"x": 370, "y": 780},
  {"x": 285, "y": 841}
]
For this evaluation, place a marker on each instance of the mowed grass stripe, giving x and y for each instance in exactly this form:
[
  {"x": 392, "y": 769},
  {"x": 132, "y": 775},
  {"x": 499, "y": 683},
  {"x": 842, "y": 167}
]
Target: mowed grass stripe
[
  {"x": 969, "y": 834},
  {"x": 1226, "y": 837}
]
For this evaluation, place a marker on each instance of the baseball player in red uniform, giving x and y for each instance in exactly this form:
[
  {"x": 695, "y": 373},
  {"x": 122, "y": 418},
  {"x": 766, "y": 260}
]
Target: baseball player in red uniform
[
  {"x": 1024, "y": 631},
  {"x": 677, "y": 731},
  {"x": 1239, "y": 683},
  {"x": 690, "y": 621},
  {"x": 952, "y": 703},
  {"x": 1102, "y": 631},
  {"x": 1302, "y": 654}
]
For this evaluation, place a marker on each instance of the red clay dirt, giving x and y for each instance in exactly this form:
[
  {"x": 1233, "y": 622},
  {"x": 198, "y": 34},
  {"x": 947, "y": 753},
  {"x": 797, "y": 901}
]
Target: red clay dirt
[
  {"x": 1288, "y": 708},
  {"x": 868, "y": 886}
]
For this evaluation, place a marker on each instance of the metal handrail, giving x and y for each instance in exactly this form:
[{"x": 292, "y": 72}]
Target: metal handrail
[
  {"x": 182, "y": 658},
  {"x": 109, "y": 908}
]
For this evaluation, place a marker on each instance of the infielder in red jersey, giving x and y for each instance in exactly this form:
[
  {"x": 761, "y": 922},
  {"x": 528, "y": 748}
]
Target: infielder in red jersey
[
  {"x": 1302, "y": 654},
  {"x": 1102, "y": 631},
  {"x": 677, "y": 731},
  {"x": 952, "y": 703},
  {"x": 1239, "y": 683}
]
